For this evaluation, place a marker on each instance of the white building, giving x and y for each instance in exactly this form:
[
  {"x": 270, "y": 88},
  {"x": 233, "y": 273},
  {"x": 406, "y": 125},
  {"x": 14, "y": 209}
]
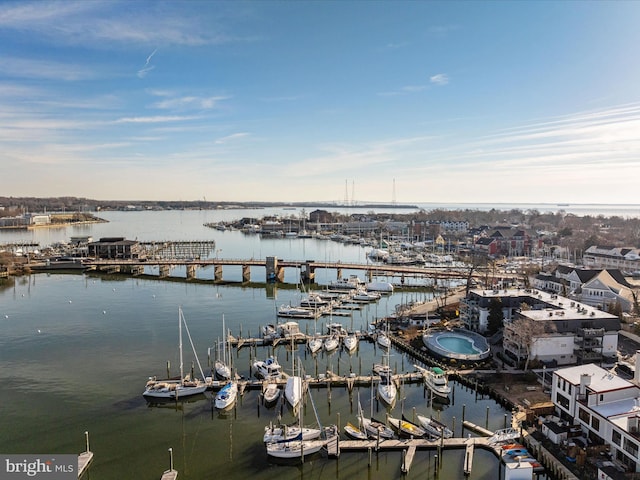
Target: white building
[
  {"x": 561, "y": 331},
  {"x": 596, "y": 287},
  {"x": 605, "y": 406},
  {"x": 623, "y": 258}
]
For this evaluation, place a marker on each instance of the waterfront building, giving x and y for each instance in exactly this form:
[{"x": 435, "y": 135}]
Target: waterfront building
[
  {"x": 604, "y": 406},
  {"x": 559, "y": 330},
  {"x": 622, "y": 258},
  {"x": 599, "y": 288},
  {"x": 115, "y": 248}
]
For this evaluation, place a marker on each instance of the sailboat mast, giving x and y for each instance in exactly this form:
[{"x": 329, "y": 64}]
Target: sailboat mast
[{"x": 180, "y": 343}]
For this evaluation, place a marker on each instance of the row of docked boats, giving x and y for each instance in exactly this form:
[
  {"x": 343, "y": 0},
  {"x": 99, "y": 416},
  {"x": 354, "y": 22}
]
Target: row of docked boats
[{"x": 343, "y": 291}]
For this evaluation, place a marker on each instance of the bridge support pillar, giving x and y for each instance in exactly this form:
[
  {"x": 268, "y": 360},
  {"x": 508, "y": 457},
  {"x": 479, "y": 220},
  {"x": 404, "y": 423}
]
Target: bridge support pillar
[
  {"x": 338, "y": 273},
  {"x": 191, "y": 271},
  {"x": 274, "y": 272},
  {"x": 217, "y": 273},
  {"x": 307, "y": 272},
  {"x": 246, "y": 273},
  {"x": 164, "y": 270},
  {"x": 370, "y": 275}
]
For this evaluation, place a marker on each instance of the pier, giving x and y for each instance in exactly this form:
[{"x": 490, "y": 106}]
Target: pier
[{"x": 85, "y": 458}]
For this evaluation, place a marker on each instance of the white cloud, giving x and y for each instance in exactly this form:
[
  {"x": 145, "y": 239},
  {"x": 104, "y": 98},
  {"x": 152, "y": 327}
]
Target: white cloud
[
  {"x": 439, "y": 79},
  {"x": 231, "y": 137},
  {"x": 47, "y": 69},
  {"x": 191, "y": 101},
  {"x": 155, "y": 119}
]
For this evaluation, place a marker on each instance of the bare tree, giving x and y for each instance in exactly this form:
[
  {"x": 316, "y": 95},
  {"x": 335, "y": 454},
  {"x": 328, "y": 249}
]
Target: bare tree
[{"x": 524, "y": 333}]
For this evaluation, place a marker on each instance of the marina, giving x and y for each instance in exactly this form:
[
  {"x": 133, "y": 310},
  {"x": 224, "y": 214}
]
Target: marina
[{"x": 77, "y": 349}]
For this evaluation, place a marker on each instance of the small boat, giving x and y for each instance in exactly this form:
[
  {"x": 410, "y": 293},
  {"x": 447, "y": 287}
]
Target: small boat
[
  {"x": 362, "y": 295},
  {"x": 436, "y": 380},
  {"x": 351, "y": 283},
  {"x": 293, "y": 388},
  {"x": 354, "y": 432},
  {"x": 376, "y": 428},
  {"x": 183, "y": 386},
  {"x": 331, "y": 343},
  {"x": 314, "y": 300},
  {"x": 383, "y": 340},
  {"x": 407, "y": 429},
  {"x": 314, "y": 344},
  {"x": 350, "y": 342},
  {"x": 221, "y": 369},
  {"x": 278, "y": 433},
  {"x": 294, "y": 448},
  {"x": 270, "y": 392},
  {"x": 387, "y": 391},
  {"x": 227, "y": 395},
  {"x": 268, "y": 369},
  {"x": 434, "y": 427},
  {"x": 289, "y": 311}
]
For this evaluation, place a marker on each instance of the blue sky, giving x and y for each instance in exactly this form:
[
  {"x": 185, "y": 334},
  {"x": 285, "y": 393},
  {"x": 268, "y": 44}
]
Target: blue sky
[{"x": 317, "y": 101}]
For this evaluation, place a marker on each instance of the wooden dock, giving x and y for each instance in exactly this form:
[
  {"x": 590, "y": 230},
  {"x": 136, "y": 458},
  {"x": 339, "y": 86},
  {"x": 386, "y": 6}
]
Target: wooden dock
[
  {"x": 84, "y": 459},
  {"x": 169, "y": 475}
]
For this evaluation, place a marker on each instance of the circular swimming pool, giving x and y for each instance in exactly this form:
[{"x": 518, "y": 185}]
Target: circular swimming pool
[{"x": 458, "y": 344}]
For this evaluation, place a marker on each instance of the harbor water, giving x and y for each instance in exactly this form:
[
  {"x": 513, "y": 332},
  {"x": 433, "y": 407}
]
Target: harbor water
[{"x": 77, "y": 349}]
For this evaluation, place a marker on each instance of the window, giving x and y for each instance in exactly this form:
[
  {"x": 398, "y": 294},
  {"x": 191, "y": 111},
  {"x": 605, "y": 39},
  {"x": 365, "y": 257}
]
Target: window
[
  {"x": 584, "y": 415},
  {"x": 562, "y": 401},
  {"x": 616, "y": 437},
  {"x": 631, "y": 447},
  {"x": 595, "y": 423}
]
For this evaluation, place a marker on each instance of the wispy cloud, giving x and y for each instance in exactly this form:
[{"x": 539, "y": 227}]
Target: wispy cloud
[
  {"x": 231, "y": 137},
  {"x": 147, "y": 67},
  {"x": 82, "y": 23},
  {"x": 439, "y": 79},
  {"x": 155, "y": 119},
  {"x": 44, "y": 69},
  {"x": 189, "y": 102}
]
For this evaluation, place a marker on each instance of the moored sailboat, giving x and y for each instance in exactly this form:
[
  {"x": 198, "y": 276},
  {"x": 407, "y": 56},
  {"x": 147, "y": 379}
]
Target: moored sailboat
[{"x": 181, "y": 387}]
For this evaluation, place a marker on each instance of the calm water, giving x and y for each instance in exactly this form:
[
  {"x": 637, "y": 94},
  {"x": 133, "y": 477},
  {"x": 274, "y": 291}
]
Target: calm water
[{"x": 75, "y": 351}]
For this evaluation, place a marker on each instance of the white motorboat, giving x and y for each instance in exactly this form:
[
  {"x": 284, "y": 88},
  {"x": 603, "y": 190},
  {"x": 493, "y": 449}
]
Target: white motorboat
[
  {"x": 436, "y": 380},
  {"x": 270, "y": 392},
  {"x": 184, "y": 386},
  {"x": 288, "y": 311},
  {"x": 268, "y": 369},
  {"x": 382, "y": 287},
  {"x": 351, "y": 283},
  {"x": 314, "y": 300},
  {"x": 361, "y": 295},
  {"x": 227, "y": 395}
]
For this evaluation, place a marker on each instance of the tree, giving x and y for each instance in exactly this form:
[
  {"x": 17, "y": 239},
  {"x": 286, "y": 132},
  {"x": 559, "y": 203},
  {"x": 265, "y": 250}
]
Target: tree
[
  {"x": 495, "y": 317},
  {"x": 524, "y": 333}
]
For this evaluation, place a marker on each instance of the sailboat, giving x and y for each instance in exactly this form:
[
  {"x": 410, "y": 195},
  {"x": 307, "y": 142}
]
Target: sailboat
[
  {"x": 293, "y": 387},
  {"x": 222, "y": 370},
  {"x": 373, "y": 427},
  {"x": 387, "y": 391},
  {"x": 297, "y": 447},
  {"x": 184, "y": 386}
]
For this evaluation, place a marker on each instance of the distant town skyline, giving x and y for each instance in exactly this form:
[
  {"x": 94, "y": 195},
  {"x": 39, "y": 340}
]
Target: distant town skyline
[{"x": 356, "y": 101}]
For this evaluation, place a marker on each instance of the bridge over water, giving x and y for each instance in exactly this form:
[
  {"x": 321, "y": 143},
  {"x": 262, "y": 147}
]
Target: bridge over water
[{"x": 275, "y": 268}]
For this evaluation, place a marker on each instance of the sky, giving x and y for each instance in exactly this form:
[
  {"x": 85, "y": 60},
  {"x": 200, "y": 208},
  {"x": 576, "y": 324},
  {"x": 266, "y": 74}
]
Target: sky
[{"x": 343, "y": 101}]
